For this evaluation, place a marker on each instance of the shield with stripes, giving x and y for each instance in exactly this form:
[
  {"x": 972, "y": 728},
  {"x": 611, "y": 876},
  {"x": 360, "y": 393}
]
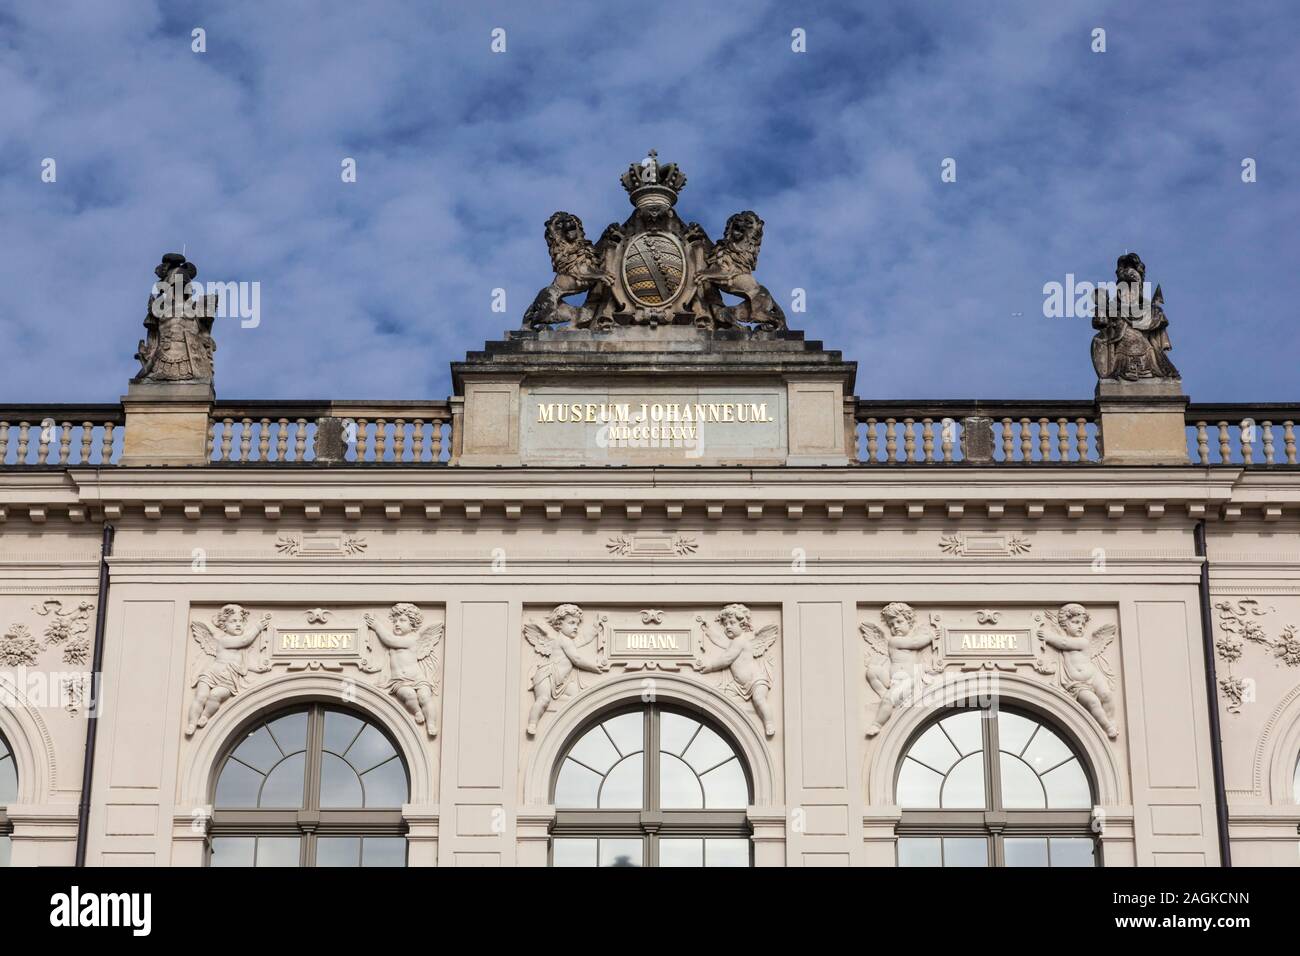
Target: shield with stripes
[{"x": 654, "y": 268}]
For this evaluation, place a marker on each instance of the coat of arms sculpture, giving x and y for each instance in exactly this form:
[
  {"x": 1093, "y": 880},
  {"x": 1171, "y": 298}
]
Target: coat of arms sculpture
[{"x": 654, "y": 269}]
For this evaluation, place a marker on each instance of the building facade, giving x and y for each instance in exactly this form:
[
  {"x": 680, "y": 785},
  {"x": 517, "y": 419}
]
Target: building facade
[{"x": 652, "y": 587}]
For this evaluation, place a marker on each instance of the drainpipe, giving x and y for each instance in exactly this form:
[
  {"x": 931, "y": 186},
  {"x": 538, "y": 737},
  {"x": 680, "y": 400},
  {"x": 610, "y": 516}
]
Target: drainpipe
[
  {"x": 96, "y": 686},
  {"x": 1212, "y": 688}
]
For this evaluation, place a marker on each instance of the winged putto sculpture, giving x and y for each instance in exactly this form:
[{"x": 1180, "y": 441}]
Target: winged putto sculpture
[
  {"x": 899, "y": 658},
  {"x": 226, "y": 674},
  {"x": 558, "y": 642},
  {"x": 1083, "y": 672},
  {"x": 742, "y": 653},
  {"x": 654, "y": 269},
  {"x": 412, "y": 665}
]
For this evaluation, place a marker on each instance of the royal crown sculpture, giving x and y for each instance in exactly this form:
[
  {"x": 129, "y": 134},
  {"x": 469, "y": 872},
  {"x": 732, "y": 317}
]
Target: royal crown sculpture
[{"x": 654, "y": 269}]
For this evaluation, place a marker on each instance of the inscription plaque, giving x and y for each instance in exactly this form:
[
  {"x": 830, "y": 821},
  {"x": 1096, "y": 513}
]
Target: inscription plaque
[
  {"x": 989, "y": 643},
  {"x": 658, "y": 643},
  {"x": 316, "y": 642}
]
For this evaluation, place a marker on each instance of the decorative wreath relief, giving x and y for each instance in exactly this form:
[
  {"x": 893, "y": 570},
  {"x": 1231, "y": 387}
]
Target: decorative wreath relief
[
  {"x": 68, "y": 630},
  {"x": 18, "y": 648},
  {"x": 991, "y": 545},
  {"x": 1238, "y": 625}
]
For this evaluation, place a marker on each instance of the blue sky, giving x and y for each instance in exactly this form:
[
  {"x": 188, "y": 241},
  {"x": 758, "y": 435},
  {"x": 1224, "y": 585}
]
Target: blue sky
[{"x": 1065, "y": 159}]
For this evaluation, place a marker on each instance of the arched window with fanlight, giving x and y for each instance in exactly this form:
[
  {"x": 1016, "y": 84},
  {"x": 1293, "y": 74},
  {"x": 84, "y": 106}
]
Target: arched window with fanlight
[
  {"x": 312, "y": 786},
  {"x": 995, "y": 787},
  {"x": 651, "y": 786},
  {"x": 8, "y": 794}
]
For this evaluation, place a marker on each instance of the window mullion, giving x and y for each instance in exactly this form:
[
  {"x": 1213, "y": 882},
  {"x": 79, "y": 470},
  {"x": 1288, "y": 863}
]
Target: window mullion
[
  {"x": 315, "y": 744},
  {"x": 992, "y": 759}
]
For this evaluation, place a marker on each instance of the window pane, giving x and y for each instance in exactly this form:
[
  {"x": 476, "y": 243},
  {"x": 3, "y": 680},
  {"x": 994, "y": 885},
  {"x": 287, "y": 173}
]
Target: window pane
[
  {"x": 966, "y": 730},
  {"x": 339, "y": 784},
  {"x": 232, "y": 851},
  {"x": 338, "y": 851},
  {"x": 628, "y": 732},
  {"x": 933, "y": 749},
  {"x": 964, "y": 786},
  {"x": 383, "y": 851},
  {"x": 238, "y": 785},
  {"x": 4, "y": 851},
  {"x": 8, "y": 777},
  {"x": 386, "y": 785},
  {"x": 675, "y": 732},
  {"x": 679, "y": 789},
  {"x": 1026, "y": 851},
  {"x": 919, "y": 851},
  {"x": 918, "y": 786},
  {"x": 1067, "y": 787},
  {"x": 965, "y": 851},
  {"x": 681, "y": 852},
  {"x": 340, "y": 730},
  {"x": 1295, "y": 784},
  {"x": 726, "y": 852},
  {"x": 277, "y": 851},
  {"x": 621, "y": 852},
  {"x": 622, "y": 787},
  {"x": 370, "y": 750},
  {"x": 290, "y": 732},
  {"x": 707, "y": 750},
  {"x": 259, "y": 750},
  {"x": 1014, "y": 731},
  {"x": 1020, "y": 787},
  {"x": 576, "y": 787},
  {"x": 284, "y": 784},
  {"x": 573, "y": 853},
  {"x": 595, "y": 750},
  {"x": 1072, "y": 851},
  {"x": 1046, "y": 751},
  {"x": 726, "y": 788}
]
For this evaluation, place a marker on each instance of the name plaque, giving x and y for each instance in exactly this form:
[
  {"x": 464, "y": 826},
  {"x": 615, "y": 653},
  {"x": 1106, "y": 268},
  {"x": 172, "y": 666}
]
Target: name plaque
[
  {"x": 317, "y": 642},
  {"x": 654, "y": 424},
  {"x": 989, "y": 642},
  {"x": 651, "y": 643}
]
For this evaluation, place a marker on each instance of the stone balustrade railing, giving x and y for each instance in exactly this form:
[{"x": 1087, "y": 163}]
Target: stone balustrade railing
[
  {"x": 884, "y": 432},
  {"x": 939, "y": 432},
  {"x": 1242, "y": 434},
  {"x": 60, "y": 435},
  {"x": 296, "y": 432}
]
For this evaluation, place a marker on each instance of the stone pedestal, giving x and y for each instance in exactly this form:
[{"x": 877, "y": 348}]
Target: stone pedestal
[
  {"x": 1143, "y": 422},
  {"x": 166, "y": 423},
  {"x": 641, "y": 395}
]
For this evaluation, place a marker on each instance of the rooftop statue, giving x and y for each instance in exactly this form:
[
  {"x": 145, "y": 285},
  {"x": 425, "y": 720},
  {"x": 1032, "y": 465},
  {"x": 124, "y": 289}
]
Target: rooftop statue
[
  {"x": 654, "y": 269},
  {"x": 1132, "y": 336},
  {"x": 178, "y": 342}
]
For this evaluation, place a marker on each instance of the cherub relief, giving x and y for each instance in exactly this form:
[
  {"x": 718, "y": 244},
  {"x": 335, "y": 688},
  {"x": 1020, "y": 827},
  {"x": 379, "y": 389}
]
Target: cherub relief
[
  {"x": 1085, "y": 675},
  {"x": 224, "y": 676},
  {"x": 559, "y": 643},
  {"x": 898, "y": 660},
  {"x": 742, "y": 653},
  {"x": 412, "y": 666}
]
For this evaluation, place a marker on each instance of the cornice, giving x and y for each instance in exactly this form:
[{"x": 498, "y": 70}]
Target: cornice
[{"x": 1028, "y": 492}]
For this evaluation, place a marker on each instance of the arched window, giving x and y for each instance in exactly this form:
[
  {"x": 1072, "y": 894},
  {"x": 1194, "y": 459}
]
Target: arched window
[
  {"x": 8, "y": 794},
  {"x": 993, "y": 788},
  {"x": 683, "y": 807},
  {"x": 314, "y": 786}
]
